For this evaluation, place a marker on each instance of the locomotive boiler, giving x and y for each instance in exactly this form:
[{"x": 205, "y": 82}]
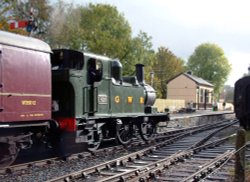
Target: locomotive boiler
[{"x": 68, "y": 97}]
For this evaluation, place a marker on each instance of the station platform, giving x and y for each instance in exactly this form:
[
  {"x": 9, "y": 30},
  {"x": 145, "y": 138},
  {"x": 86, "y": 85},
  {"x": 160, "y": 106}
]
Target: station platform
[
  {"x": 199, "y": 117},
  {"x": 198, "y": 113}
]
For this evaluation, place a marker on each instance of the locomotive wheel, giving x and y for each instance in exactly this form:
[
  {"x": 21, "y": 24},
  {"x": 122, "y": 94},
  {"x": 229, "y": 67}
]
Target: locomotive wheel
[
  {"x": 147, "y": 130},
  {"x": 124, "y": 133},
  {"x": 95, "y": 144},
  {"x": 6, "y": 158}
]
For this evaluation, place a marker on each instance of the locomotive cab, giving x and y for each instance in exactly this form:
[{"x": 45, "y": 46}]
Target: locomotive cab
[{"x": 64, "y": 63}]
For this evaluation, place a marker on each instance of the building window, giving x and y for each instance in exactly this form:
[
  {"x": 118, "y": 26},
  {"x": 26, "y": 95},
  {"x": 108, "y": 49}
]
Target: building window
[
  {"x": 207, "y": 96},
  {"x": 201, "y": 95}
]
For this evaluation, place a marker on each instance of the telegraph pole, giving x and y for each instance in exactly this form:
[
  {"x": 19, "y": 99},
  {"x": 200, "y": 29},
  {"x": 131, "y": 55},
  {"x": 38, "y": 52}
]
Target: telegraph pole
[{"x": 152, "y": 78}]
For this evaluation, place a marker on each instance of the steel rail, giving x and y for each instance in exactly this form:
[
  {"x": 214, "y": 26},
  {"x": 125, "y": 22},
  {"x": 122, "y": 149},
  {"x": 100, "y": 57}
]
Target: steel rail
[{"x": 122, "y": 160}]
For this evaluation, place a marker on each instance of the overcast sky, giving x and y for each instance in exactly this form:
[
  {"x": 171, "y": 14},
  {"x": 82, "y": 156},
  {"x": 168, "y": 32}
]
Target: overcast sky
[{"x": 182, "y": 25}]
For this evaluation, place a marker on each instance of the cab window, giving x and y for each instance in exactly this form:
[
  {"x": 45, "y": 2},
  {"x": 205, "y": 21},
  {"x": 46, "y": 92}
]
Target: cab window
[{"x": 94, "y": 71}]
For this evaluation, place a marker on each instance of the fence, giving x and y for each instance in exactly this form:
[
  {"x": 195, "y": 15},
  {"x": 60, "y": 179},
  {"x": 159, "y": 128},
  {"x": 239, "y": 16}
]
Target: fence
[{"x": 172, "y": 105}]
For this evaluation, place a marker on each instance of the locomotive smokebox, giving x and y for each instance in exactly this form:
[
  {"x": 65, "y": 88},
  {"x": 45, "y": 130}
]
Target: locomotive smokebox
[{"x": 140, "y": 73}]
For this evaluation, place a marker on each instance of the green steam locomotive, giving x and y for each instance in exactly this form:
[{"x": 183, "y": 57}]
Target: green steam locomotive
[{"x": 92, "y": 98}]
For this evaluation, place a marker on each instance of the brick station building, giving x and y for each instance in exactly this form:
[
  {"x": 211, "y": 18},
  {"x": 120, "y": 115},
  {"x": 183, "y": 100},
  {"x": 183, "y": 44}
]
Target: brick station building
[{"x": 196, "y": 91}]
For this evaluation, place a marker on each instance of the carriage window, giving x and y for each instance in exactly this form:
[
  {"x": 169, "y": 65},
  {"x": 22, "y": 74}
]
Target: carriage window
[{"x": 66, "y": 59}]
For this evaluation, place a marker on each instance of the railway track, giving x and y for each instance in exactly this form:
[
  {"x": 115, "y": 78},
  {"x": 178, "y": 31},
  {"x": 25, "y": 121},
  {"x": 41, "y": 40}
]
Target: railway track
[
  {"x": 200, "y": 163},
  {"x": 137, "y": 144},
  {"x": 49, "y": 168},
  {"x": 145, "y": 163}
]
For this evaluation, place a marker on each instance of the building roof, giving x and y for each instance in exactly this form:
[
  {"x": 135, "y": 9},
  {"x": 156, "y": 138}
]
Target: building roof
[{"x": 197, "y": 80}]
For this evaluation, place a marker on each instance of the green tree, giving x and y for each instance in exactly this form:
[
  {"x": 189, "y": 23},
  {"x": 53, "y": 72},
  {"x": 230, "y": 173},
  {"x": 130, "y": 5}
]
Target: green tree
[
  {"x": 41, "y": 12},
  {"x": 140, "y": 51},
  {"x": 228, "y": 93},
  {"x": 65, "y": 30},
  {"x": 37, "y": 12},
  {"x": 165, "y": 67},
  {"x": 209, "y": 62},
  {"x": 15, "y": 10},
  {"x": 97, "y": 28},
  {"x": 106, "y": 31},
  {"x": 5, "y": 7},
  {"x": 6, "y": 14},
  {"x": 101, "y": 29}
]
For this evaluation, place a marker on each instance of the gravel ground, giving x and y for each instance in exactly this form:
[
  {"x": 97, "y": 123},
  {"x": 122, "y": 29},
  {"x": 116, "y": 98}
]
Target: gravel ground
[{"x": 43, "y": 173}]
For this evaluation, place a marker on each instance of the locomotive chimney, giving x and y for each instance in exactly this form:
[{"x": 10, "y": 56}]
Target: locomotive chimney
[{"x": 140, "y": 73}]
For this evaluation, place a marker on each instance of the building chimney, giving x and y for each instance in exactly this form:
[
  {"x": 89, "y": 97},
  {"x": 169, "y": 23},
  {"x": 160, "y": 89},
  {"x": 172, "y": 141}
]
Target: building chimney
[{"x": 189, "y": 72}]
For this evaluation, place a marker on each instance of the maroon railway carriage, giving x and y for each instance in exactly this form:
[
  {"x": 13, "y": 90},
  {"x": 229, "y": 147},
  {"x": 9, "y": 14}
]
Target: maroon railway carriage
[{"x": 25, "y": 83}]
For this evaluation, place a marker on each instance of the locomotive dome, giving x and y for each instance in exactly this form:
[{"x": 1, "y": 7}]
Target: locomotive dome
[{"x": 17, "y": 40}]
